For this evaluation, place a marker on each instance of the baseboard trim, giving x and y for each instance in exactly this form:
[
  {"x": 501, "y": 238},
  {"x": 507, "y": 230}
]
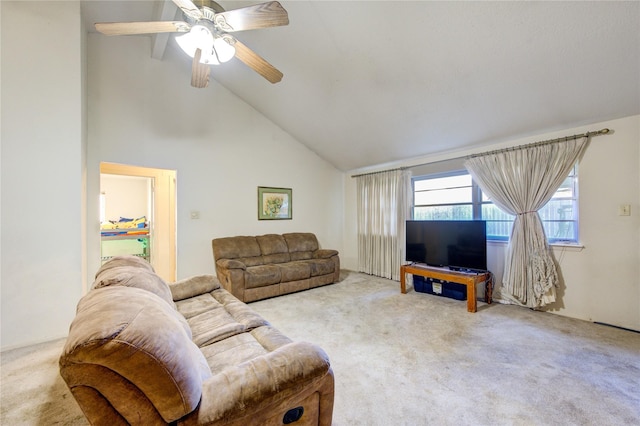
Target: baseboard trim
[{"x": 617, "y": 326}]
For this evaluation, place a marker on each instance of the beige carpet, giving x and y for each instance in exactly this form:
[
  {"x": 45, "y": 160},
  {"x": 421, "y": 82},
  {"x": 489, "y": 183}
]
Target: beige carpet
[{"x": 412, "y": 359}]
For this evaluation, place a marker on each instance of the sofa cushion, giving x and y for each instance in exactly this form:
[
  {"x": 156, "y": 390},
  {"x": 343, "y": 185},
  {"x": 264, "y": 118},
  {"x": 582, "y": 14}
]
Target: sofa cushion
[
  {"x": 251, "y": 261},
  {"x": 193, "y": 286},
  {"x": 244, "y": 249},
  {"x": 196, "y": 305},
  {"x": 217, "y": 315},
  {"x": 325, "y": 253},
  {"x": 213, "y": 325},
  {"x": 135, "y": 334},
  {"x": 270, "y": 338},
  {"x": 230, "y": 352},
  {"x": 260, "y": 276},
  {"x": 133, "y": 276},
  {"x": 243, "y": 347},
  {"x": 301, "y": 245},
  {"x": 274, "y": 248},
  {"x": 295, "y": 271},
  {"x": 302, "y": 255},
  {"x": 238, "y": 310},
  {"x": 321, "y": 266}
]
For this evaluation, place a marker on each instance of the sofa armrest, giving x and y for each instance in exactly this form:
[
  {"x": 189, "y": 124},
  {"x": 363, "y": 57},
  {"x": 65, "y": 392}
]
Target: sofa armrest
[
  {"x": 260, "y": 382},
  {"x": 193, "y": 286},
  {"x": 231, "y": 264},
  {"x": 324, "y": 253}
]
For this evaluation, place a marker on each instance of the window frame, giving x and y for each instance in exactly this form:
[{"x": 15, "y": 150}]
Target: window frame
[
  {"x": 477, "y": 204},
  {"x": 452, "y": 173}
]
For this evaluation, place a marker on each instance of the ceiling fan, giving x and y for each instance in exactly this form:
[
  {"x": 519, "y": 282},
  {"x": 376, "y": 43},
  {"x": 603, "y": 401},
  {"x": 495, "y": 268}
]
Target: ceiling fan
[{"x": 206, "y": 35}]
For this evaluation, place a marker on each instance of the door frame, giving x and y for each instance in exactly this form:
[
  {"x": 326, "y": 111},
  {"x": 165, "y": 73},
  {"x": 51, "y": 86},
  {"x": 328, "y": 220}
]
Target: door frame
[{"x": 163, "y": 225}]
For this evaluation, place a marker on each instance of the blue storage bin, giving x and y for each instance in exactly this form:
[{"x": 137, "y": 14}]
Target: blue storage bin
[{"x": 442, "y": 288}]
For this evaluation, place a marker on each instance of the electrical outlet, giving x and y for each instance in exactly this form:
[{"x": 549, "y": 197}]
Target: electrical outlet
[
  {"x": 195, "y": 214},
  {"x": 624, "y": 210}
]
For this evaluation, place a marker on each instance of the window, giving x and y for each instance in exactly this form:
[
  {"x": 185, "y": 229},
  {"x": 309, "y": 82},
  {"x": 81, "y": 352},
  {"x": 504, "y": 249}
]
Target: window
[
  {"x": 454, "y": 196},
  {"x": 448, "y": 197}
]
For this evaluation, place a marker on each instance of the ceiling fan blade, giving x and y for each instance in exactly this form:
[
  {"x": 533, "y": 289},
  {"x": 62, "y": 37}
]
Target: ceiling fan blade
[
  {"x": 130, "y": 28},
  {"x": 256, "y": 63},
  {"x": 263, "y": 15},
  {"x": 189, "y": 8},
  {"x": 199, "y": 72}
]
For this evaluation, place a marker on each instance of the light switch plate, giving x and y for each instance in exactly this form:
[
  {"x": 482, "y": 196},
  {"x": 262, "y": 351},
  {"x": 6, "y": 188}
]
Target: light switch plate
[{"x": 624, "y": 210}]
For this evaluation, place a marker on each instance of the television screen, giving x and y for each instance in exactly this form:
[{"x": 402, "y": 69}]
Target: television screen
[{"x": 451, "y": 243}]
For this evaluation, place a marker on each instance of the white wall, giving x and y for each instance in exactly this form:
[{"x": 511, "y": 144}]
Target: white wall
[
  {"x": 221, "y": 148},
  {"x": 602, "y": 281},
  {"x": 41, "y": 241},
  {"x": 126, "y": 196}
]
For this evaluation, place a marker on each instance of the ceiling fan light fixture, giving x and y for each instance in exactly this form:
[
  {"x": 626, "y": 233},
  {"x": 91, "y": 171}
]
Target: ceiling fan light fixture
[
  {"x": 215, "y": 49},
  {"x": 224, "y": 51},
  {"x": 199, "y": 37}
]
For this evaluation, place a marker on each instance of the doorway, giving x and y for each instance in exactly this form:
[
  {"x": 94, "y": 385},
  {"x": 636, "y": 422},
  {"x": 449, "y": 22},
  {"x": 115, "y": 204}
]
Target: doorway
[{"x": 149, "y": 195}]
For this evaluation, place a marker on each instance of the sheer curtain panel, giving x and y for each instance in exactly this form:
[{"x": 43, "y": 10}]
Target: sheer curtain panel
[
  {"x": 520, "y": 182},
  {"x": 384, "y": 201}
]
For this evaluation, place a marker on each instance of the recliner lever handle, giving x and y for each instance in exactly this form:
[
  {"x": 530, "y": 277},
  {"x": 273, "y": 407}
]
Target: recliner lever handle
[{"x": 293, "y": 415}]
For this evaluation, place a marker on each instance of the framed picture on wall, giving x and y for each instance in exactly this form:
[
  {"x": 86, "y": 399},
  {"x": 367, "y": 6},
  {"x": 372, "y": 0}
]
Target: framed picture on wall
[{"x": 274, "y": 203}]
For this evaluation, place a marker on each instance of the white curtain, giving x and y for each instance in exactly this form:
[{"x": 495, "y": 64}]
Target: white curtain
[
  {"x": 520, "y": 182},
  {"x": 384, "y": 203}
]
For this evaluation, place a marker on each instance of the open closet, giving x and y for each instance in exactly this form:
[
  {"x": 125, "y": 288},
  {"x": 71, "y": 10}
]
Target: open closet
[
  {"x": 138, "y": 215},
  {"x": 126, "y": 215}
]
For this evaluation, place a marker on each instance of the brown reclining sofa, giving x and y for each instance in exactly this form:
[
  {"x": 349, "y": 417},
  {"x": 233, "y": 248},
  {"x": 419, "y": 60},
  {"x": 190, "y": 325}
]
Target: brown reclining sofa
[
  {"x": 144, "y": 352},
  {"x": 255, "y": 268}
]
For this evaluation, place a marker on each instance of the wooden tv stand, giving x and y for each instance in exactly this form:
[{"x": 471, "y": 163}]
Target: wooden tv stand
[{"x": 467, "y": 278}]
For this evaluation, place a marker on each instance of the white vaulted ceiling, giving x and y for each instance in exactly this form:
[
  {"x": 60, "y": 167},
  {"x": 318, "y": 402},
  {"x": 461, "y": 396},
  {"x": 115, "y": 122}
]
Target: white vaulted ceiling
[{"x": 375, "y": 82}]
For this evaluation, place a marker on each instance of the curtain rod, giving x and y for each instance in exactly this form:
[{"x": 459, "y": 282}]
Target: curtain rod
[
  {"x": 547, "y": 142},
  {"x": 562, "y": 139},
  {"x": 381, "y": 171}
]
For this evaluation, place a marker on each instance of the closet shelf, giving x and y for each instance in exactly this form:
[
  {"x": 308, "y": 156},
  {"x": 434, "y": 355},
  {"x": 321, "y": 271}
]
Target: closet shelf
[
  {"x": 125, "y": 241},
  {"x": 134, "y": 236}
]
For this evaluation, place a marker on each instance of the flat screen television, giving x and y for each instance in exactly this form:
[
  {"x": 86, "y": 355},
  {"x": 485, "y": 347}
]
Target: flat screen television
[{"x": 458, "y": 245}]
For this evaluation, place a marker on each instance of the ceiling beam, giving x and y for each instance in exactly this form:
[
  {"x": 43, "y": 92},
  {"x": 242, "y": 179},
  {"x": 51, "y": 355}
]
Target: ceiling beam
[{"x": 165, "y": 10}]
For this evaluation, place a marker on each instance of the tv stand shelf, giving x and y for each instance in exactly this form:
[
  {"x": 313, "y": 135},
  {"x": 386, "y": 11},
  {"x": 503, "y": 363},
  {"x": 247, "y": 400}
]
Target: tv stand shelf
[{"x": 470, "y": 279}]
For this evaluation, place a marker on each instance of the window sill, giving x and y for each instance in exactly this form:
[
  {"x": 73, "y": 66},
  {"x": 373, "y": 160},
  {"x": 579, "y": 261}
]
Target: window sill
[
  {"x": 556, "y": 246},
  {"x": 567, "y": 246}
]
